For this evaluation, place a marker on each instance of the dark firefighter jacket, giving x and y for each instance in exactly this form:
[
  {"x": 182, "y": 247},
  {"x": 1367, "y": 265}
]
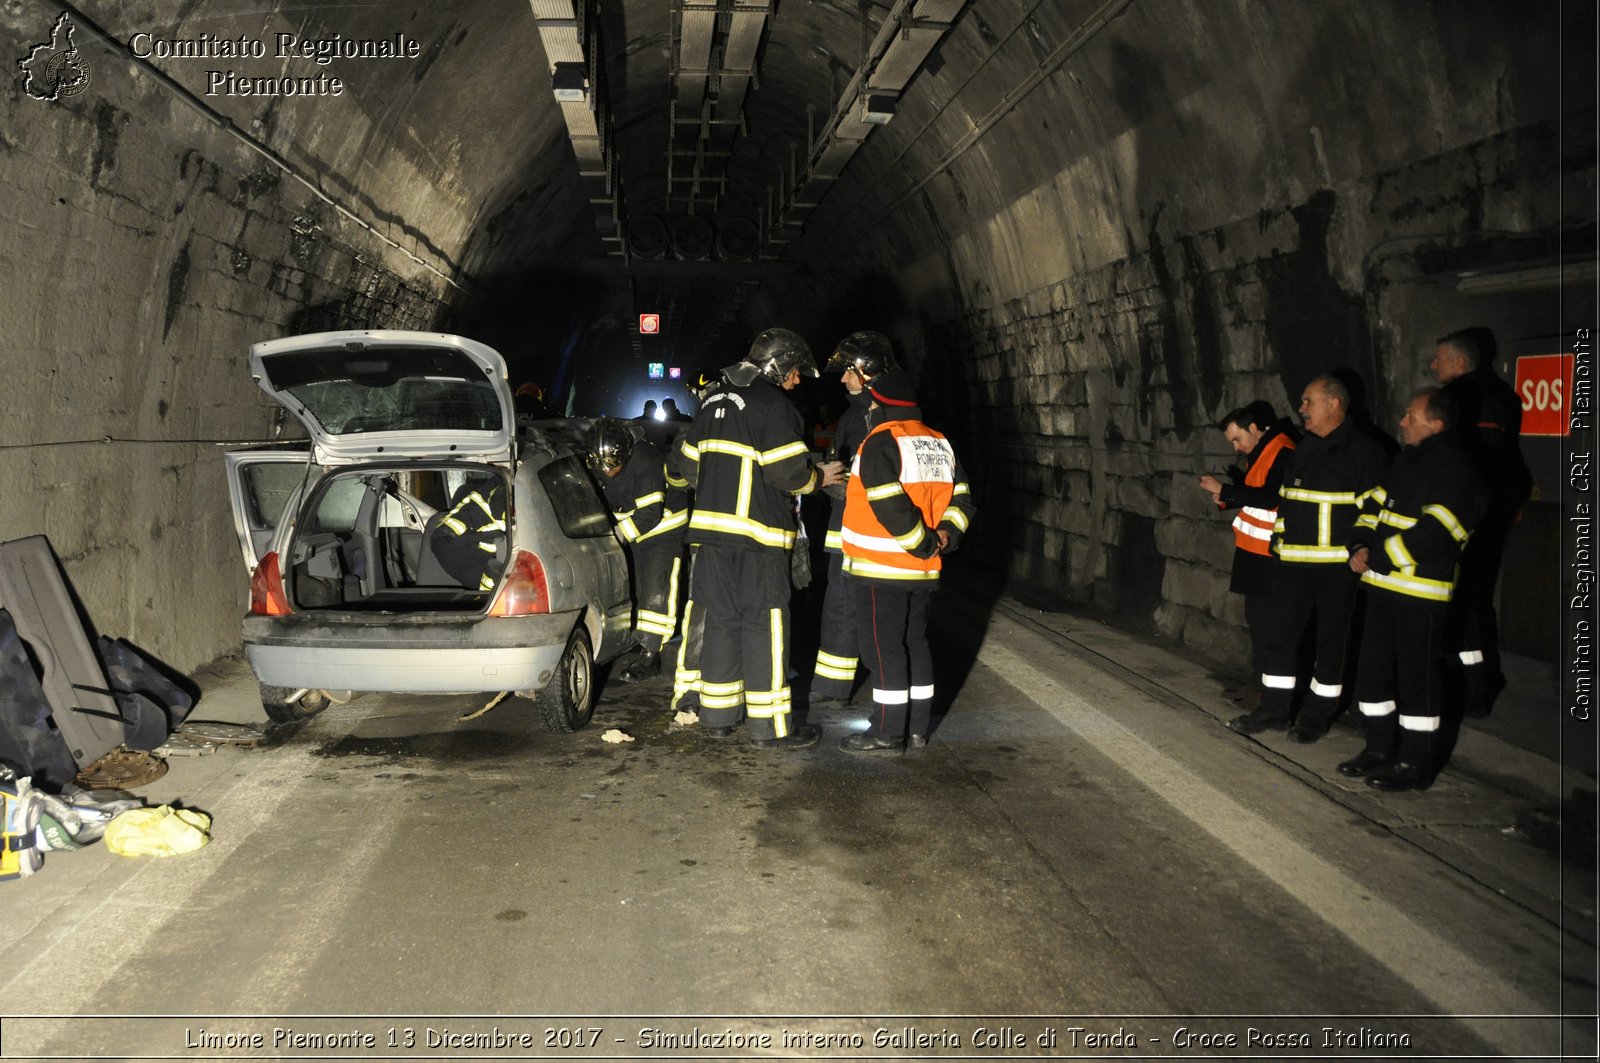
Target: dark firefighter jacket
[
  {"x": 743, "y": 456},
  {"x": 645, "y": 510},
  {"x": 1416, "y": 523},
  {"x": 1326, "y": 480},
  {"x": 469, "y": 539},
  {"x": 846, "y": 441}
]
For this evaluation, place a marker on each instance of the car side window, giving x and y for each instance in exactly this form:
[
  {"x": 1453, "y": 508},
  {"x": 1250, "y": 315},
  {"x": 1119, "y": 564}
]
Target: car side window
[
  {"x": 579, "y": 509},
  {"x": 339, "y": 505},
  {"x": 268, "y": 487}
]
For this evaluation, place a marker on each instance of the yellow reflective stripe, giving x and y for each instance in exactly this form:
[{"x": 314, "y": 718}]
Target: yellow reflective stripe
[
  {"x": 860, "y": 566},
  {"x": 1287, "y": 552},
  {"x": 1324, "y": 525},
  {"x": 487, "y": 548},
  {"x": 1396, "y": 520},
  {"x": 742, "y": 526},
  {"x": 1321, "y": 498},
  {"x": 670, "y": 521},
  {"x": 727, "y": 446},
  {"x": 645, "y": 500},
  {"x": 888, "y": 490},
  {"x": 1277, "y": 526},
  {"x": 830, "y": 666},
  {"x": 1372, "y": 493},
  {"x": 655, "y": 623},
  {"x": 868, "y": 542},
  {"x": 1366, "y": 520},
  {"x": 627, "y": 528},
  {"x": 485, "y": 583},
  {"x": 912, "y": 539},
  {"x": 1448, "y": 519},
  {"x": 1412, "y": 586},
  {"x": 690, "y": 451},
  {"x": 788, "y": 450},
  {"x": 747, "y": 477},
  {"x": 454, "y": 525},
  {"x": 1395, "y": 548},
  {"x": 833, "y": 540},
  {"x": 779, "y": 702},
  {"x": 959, "y": 519},
  {"x": 961, "y": 489}
]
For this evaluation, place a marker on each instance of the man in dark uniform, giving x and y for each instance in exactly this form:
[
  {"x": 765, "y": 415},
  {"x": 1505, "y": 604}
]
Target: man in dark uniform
[
  {"x": 686, "y": 676},
  {"x": 860, "y": 358},
  {"x": 1256, "y": 432},
  {"x": 907, "y": 504},
  {"x": 1405, "y": 546},
  {"x": 1488, "y": 423},
  {"x": 470, "y": 539},
  {"x": 1325, "y": 482},
  {"x": 745, "y": 456},
  {"x": 649, "y": 519}
]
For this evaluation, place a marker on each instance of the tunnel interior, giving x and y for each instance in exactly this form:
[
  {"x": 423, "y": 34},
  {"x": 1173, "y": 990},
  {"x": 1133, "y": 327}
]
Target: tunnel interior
[{"x": 1090, "y": 227}]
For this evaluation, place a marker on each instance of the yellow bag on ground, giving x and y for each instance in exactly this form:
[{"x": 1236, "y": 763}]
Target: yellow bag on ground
[{"x": 162, "y": 831}]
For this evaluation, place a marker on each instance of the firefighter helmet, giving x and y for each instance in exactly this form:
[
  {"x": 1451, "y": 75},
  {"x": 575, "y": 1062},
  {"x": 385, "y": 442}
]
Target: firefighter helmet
[
  {"x": 702, "y": 383},
  {"x": 868, "y": 353},
  {"x": 777, "y": 352},
  {"x": 607, "y": 445}
]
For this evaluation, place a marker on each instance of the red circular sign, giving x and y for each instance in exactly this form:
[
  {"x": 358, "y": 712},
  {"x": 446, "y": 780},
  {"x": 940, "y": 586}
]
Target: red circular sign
[{"x": 649, "y": 324}]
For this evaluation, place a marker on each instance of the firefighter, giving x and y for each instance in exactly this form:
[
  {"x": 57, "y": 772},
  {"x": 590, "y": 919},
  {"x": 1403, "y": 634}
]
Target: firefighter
[
  {"x": 470, "y": 539},
  {"x": 686, "y": 676},
  {"x": 745, "y": 456},
  {"x": 907, "y": 504},
  {"x": 1326, "y": 480},
  {"x": 649, "y": 520},
  {"x": 1254, "y": 431},
  {"x": 1406, "y": 545},
  {"x": 1488, "y": 424},
  {"x": 860, "y": 358}
]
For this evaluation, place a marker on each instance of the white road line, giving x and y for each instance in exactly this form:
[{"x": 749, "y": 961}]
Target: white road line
[{"x": 1435, "y": 968}]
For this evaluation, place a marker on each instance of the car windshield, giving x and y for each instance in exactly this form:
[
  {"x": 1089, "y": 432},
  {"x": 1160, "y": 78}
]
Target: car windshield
[{"x": 389, "y": 390}]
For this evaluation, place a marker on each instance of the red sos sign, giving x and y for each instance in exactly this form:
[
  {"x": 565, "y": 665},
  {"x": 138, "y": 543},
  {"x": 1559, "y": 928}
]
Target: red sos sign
[
  {"x": 649, "y": 324},
  {"x": 1544, "y": 384}
]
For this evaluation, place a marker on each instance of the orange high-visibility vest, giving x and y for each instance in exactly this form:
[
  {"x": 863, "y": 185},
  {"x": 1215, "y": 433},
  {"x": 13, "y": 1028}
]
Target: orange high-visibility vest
[
  {"x": 927, "y": 476},
  {"x": 1252, "y": 525}
]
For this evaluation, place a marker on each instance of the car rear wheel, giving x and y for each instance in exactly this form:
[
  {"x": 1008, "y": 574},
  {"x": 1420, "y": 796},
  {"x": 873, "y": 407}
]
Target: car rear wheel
[
  {"x": 566, "y": 703},
  {"x": 282, "y": 710}
]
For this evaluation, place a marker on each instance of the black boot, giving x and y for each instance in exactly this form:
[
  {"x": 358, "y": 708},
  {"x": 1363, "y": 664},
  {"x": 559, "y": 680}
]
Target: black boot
[
  {"x": 1413, "y": 770},
  {"x": 645, "y": 665},
  {"x": 1257, "y": 721}
]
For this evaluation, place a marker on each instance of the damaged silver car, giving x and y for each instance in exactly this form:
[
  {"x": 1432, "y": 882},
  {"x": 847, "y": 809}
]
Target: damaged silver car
[{"x": 349, "y": 536}]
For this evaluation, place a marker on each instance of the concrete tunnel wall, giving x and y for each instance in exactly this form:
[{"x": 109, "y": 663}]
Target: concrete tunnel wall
[{"x": 1208, "y": 202}]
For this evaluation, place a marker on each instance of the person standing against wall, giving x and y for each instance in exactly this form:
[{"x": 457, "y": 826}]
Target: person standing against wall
[
  {"x": 1488, "y": 424},
  {"x": 1255, "y": 432},
  {"x": 1325, "y": 482},
  {"x": 1405, "y": 546},
  {"x": 906, "y": 505}
]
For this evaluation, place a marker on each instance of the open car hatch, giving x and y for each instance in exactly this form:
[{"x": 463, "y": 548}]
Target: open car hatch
[{"x": 391, "y": 394}]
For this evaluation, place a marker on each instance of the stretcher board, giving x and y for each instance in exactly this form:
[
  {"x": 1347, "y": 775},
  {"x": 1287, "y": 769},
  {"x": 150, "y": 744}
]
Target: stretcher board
[{"x": 34, "y": 592}]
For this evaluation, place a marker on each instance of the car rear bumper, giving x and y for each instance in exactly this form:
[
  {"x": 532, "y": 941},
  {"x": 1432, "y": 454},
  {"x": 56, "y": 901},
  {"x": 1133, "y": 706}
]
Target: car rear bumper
[{"x": 361, "y": 652}]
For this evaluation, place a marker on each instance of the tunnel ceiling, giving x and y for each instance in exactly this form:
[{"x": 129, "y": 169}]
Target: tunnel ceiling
[{"x": 1105, "y": 121}]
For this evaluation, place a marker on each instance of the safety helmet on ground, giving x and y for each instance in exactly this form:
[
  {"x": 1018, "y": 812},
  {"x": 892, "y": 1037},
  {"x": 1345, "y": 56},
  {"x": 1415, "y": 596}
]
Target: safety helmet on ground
[
  {"x": 868, "y": 353},
  {"x": 607, "y": 445},
  {"x": 777, "y": 352}
]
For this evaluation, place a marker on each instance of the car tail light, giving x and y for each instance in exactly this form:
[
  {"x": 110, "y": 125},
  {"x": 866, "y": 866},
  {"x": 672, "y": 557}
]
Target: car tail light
[
  {"x": 267, "y": 597},
  {"x": 524, "y": 590}
]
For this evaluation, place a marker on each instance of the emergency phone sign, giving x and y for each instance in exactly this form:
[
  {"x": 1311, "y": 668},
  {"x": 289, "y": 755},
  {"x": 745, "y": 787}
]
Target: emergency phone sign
[
  {"x": 649, "y": 324},
  {"x": 1544, "y": 386}
]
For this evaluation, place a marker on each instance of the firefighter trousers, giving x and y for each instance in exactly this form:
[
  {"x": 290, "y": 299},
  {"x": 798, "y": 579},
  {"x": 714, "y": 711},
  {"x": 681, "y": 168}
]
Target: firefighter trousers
[
  {"x": 837, "y": 655},
  {"x": 1400, "y": 677},
  {"x": 1307, "y": 595},
  {"x": 686, "y": 676},
  {"x": 892, "y": 631},
  {"x": 744, "y": 663},
  {"x": 655, "y": 589}
]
